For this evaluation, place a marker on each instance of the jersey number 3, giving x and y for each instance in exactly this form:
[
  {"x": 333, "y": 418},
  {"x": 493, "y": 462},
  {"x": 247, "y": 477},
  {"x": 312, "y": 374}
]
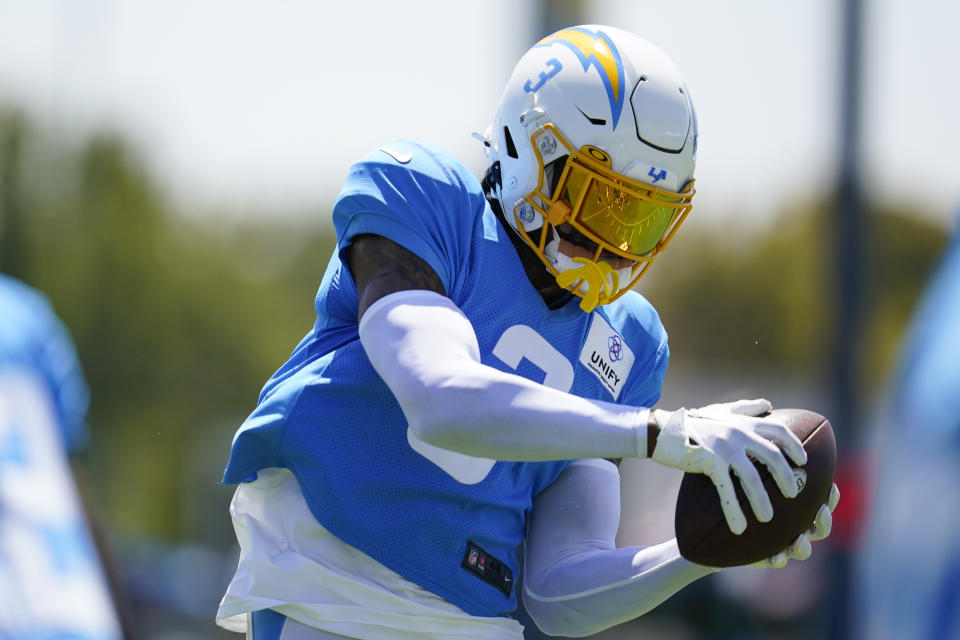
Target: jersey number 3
[{"x": 516, "y": 343}]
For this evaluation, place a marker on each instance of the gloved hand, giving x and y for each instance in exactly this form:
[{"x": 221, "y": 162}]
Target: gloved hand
[
  {"x": 721, "y": 438},
  {"x": 800, "y": 549}
]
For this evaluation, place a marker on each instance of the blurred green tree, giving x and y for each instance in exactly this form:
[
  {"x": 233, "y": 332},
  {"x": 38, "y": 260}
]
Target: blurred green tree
[
  {"x": 763, "y": 301},
  {"x": 12, "y": 131},
  {"x": 178, "y": 321}
]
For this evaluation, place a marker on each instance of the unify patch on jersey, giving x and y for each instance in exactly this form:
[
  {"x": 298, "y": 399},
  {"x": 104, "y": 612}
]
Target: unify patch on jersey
[
  {"x": 607, "y": 356},
  {"x": 487, "y": 568}
]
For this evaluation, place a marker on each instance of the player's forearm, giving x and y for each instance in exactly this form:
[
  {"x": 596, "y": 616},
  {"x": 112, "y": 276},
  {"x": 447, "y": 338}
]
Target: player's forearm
[
  {"x": 491, "y": 414},
  {"x": 597, "y": 589},
  {"x": 576, "y": 582},
  {"x": 426, "y": 352}
]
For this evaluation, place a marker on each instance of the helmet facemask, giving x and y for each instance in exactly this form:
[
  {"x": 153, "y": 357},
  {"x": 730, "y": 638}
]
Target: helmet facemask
[{"x": 581, "y": 198}]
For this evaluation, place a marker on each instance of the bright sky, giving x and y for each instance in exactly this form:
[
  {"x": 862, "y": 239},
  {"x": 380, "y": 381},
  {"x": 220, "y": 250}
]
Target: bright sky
[{"x": 249, "y": 105}]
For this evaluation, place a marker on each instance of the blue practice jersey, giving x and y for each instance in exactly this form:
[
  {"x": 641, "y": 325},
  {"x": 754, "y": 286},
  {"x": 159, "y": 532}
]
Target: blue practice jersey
[
  {"x": 428, "y": 514},
  {"x": 32, "y": 338},
  {"x": 51, "y": 582},
  {"x": 909, "y": 568}
]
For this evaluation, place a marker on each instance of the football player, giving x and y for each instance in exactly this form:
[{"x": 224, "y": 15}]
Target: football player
[
  {"x": 52, "y": 581},
  {"x": 477, "y": 364},
  {"x": 917, "y": 450}
]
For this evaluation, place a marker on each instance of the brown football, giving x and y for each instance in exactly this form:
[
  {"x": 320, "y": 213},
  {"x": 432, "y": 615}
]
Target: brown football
[{"x": 702, "y": 532}]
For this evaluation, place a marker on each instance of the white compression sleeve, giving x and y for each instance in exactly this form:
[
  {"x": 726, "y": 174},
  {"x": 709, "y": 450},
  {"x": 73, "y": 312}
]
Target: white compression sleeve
[
  {"x": 426, "y": 351},
  {"x": 576, "y": 582}
]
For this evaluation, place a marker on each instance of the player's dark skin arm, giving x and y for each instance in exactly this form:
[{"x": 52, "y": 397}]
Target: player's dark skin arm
[{"x": 380, "y": 267}]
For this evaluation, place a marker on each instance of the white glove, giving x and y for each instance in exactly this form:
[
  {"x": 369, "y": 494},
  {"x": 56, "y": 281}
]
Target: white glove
[
  {"x": 800, "y": 549},
  {"x": 721, "y": 438}
]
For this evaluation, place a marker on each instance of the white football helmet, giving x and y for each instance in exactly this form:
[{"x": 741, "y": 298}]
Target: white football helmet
[{"x": 596, "y": 140}]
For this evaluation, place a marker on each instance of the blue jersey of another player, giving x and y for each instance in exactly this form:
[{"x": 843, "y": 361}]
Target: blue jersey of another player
[
  {"x": 911, "y": 542},
  {"x": 51, "y": 581},
  {"x": 427, "y": 513},
  {"x": 33, "y": 339}
]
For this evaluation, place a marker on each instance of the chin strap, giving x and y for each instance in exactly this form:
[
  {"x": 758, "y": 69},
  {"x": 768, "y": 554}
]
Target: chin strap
[
  {"x": 601, "y": 281},
  {"x": 491, "y": 181}
]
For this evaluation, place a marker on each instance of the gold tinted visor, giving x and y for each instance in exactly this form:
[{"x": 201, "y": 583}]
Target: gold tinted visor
[
  {"x": 620, "y": 215},
  {"x": 626, "y": 217},
  {"x": 623, "y": 218}
]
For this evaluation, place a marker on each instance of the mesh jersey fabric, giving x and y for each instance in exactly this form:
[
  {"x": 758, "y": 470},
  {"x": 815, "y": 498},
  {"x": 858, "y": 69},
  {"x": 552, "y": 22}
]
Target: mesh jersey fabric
[{"x": 328, "y": 417}]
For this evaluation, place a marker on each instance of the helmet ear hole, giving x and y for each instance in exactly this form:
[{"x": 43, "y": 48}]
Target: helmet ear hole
[{"x": 511, "y": 148}]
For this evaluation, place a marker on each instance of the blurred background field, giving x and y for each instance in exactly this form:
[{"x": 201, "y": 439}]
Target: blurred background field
[{"x": 166, "y": 177}]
